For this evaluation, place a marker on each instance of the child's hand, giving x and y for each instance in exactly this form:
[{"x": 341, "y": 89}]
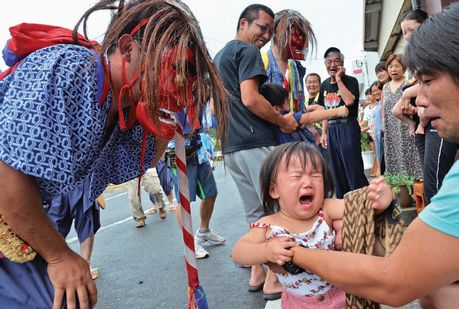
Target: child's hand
[
  {"x": 420, "y": 130},
  {"x": 323, "y": 140},
  {"x": 380, "y": 194},
  {"x": 338, "y": 227},
  {"x": 408, "y": 109},
  {"x": 289, "y": 124},
  {"x": 277, "y": 250}
]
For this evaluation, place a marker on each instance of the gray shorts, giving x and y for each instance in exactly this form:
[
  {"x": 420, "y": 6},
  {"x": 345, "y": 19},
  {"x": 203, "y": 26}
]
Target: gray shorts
[{"x": 244, "y": 166}]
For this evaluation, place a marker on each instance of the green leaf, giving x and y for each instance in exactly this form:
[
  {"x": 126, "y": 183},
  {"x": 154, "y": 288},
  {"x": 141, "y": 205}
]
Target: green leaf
[
  {"x": 365, "y": 141},
  {"x": 398, "y": 180}
]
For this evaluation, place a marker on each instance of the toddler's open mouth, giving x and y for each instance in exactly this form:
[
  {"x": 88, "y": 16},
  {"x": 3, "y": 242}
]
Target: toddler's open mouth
[{"x": 306, "y": 199}]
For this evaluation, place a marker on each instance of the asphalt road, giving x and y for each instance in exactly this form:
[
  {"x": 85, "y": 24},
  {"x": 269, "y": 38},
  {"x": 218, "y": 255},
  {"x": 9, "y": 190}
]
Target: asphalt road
[{"x": 144, "y": 268}]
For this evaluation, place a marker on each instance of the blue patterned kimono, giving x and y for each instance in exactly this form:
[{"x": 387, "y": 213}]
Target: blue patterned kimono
[{"x": 52, "y": 128}]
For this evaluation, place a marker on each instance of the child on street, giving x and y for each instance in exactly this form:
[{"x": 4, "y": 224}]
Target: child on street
[{"x": 296, "y": 187}]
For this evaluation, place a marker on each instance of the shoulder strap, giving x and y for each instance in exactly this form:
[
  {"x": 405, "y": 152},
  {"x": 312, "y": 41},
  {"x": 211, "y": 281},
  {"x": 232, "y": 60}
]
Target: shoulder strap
[
  {"x": 264, "y": 57},
  {"x": 27, "y": 38},
  {"x": 260, "y": 225}
]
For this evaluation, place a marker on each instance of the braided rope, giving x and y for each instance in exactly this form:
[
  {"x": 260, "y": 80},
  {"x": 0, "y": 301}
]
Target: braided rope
[
  {"x": 12, "y": 246},
  {"x": 362, "y": 230}
]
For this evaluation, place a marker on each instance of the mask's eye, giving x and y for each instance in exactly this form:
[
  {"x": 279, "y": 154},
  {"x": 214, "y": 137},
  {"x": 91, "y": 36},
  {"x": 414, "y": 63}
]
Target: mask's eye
[{"x": 189, "y": 68}]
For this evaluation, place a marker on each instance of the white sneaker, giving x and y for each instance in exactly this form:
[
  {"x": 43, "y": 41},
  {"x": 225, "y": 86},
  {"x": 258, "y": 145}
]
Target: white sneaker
[
  {"x": 200, "y": 252},
  {"x": 211, "y": 237}
]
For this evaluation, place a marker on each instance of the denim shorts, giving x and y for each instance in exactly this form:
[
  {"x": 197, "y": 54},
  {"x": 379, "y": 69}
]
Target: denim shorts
[{"x": 201, "y": 181}]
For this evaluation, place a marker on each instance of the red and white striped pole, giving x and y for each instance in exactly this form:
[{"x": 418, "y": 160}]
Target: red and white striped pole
[{"x": 196, "y": 295}]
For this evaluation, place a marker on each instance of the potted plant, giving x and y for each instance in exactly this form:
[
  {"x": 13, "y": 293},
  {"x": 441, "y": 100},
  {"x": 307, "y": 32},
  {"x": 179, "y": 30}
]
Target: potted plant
[
  {"x": 367, "y": 153},
  {"x": 402, "y": 184}
]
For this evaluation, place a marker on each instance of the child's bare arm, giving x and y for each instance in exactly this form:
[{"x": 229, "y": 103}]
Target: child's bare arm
[
  {"x": 319, "y": 115},
  {"x": 334, "y": 212},
  {"x": 333, "y": 208},
  {"x": 397, "y": 109},
  {"x": 253, "y": 249},
  {"x": 398, "y": 112},
  {"x": 410, "y": 92},
  {"x": 314, "y": 107},
  {"x": 249, "y": 250}
]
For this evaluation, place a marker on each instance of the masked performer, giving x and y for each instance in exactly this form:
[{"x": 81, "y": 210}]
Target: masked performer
[
  {"x": 292, "y": 37},
  {"x": 69, "y": 113}
]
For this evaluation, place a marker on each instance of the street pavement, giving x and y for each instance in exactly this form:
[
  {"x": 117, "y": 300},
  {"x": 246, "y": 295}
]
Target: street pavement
[{"x": 145, "y": 268}]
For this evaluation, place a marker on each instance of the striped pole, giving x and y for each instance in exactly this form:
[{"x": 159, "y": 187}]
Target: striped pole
[{"x": 196, "y": 295}]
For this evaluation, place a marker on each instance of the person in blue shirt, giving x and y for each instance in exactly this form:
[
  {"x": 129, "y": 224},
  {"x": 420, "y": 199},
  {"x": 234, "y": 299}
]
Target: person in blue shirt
[{"x": 376, "y": 91}]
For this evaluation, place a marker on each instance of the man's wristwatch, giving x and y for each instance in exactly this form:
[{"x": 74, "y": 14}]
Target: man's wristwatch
[
  {"x": 393, "y": 212},
  {"x": 293, "y": 268}
]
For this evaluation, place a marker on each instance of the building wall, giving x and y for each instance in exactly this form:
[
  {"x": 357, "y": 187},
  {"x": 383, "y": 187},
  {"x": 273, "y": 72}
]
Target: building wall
[
  {"x": 389, "y": 17},
  {"x": 400, "y": 47}
]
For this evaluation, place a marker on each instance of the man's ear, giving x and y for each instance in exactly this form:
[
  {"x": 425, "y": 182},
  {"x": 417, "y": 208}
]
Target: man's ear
[
  {"x": 243, "y": 23},
  {"x": 273, "y": 191},
  {"x": 125, "y": 45}
]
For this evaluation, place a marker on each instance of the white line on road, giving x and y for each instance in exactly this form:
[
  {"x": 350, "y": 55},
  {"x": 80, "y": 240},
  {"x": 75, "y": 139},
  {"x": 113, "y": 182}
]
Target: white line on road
[
  {"x": 115, "y": 196},
  {"x": 73, "y": 239}
]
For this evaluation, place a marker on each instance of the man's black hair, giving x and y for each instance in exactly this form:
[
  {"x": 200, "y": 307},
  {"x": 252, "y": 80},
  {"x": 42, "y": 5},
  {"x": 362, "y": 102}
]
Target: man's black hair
[
  {"x": 251, "y": 13},
  {"x": 274, "y": 94},
  {"x": 331, "y": 50}
]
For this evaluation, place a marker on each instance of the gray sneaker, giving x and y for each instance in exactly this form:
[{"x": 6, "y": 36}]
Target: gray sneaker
[
  {"x": 200, "y": 252},
  {"x": 211, "y": 237}
]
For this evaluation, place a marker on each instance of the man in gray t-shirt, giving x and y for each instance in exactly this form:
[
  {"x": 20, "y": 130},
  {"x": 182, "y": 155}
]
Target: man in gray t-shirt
[{"x": 251, "y": 135}]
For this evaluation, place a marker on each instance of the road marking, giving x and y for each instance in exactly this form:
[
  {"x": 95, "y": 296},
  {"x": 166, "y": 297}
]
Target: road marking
[
  {"x": 74, "y": 239},
  {"x": 115, "y": 196}
]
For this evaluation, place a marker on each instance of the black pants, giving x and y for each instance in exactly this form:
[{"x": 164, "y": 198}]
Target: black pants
[
  {"x": 345, "y": 157},
  {"x": 439, "y": 156}
]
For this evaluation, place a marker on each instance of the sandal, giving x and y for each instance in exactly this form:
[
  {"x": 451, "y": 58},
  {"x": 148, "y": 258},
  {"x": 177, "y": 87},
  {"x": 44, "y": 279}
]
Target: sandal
[
  {"x": 256, "y": 288},
  {"x": 172, "y": 208},
  {"x": 152, "y": 210}
]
